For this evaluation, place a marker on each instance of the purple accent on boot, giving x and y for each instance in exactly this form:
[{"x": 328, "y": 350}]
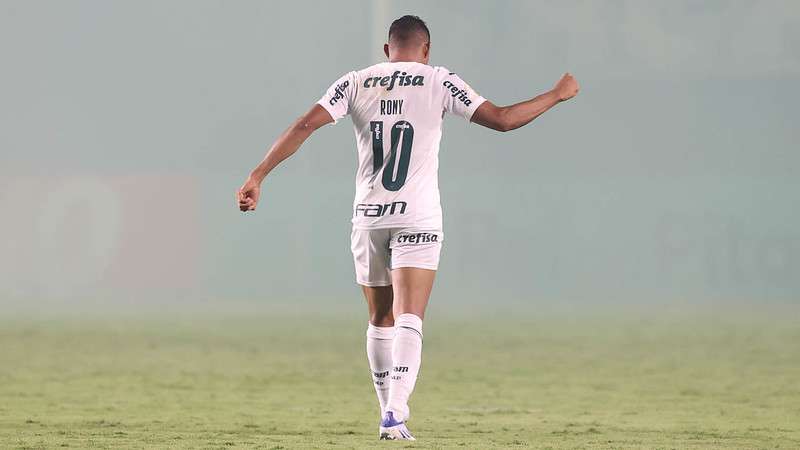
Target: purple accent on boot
[{"x": 389, "y": 420}]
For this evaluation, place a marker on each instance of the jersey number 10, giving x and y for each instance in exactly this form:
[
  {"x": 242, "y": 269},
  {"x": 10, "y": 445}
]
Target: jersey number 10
[{"x": 397, "y": 163}]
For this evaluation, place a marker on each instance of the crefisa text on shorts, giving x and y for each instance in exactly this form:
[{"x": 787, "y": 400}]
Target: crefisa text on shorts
[{"x": 417, "y": 238}]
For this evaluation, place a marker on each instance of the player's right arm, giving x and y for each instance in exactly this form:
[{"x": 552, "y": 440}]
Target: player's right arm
[
  {"x": 507, "y": 118},
  {"x": 334, "y": 105},
  {"x": 284, "y": 147}
]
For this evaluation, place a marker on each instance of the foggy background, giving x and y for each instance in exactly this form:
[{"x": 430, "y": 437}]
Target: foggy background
[{"x": 126, "y": 128}]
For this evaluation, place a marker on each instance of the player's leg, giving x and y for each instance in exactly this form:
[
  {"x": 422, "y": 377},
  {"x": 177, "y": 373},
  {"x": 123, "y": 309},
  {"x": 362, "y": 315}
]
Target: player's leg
[
  {"x": 379, "y": 305},
  {"x": 415, "y": 258},
  {"x": 412, "y": 288},
  {"x": 380, "y": 336},
  {"x": 371, "y": 257}
]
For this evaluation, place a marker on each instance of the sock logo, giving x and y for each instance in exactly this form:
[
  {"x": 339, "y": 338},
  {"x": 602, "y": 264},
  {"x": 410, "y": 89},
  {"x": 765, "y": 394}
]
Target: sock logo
[
  {"x": 400, "y": 369},
  {"x": 380, "y": 374}
]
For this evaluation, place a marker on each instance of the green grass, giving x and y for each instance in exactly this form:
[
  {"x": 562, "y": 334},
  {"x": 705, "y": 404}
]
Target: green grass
[{"x": 282, "y": 382}]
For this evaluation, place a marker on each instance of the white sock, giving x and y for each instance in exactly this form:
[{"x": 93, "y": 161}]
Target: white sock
[
  {"x": 406, "y": 358},
  {"x": 379, "y": 354}
]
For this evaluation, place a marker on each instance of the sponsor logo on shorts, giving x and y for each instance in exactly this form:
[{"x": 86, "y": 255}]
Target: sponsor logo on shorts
[
  {"x": 455, "y": 91},
  {"x": 339, "y": 92},
  {"x": 380, "y": 210},
  {"x": 417, "y": 238}
]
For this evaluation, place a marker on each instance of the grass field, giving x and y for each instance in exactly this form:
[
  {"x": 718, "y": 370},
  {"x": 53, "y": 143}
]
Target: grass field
[{"x": 282, "y": 382}]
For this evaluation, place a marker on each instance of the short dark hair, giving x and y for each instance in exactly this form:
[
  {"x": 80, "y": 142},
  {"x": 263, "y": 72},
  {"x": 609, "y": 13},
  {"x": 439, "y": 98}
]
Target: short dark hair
[{"x": 405, "y": 28}]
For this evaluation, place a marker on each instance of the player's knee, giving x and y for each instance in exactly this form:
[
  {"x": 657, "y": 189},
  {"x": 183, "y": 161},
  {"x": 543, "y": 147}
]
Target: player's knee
[{"x": 410, "y": 322}]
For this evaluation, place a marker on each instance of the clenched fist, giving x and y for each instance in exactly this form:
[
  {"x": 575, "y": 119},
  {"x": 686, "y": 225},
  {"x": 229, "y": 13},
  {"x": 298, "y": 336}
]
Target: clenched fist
[
  {"x": 567, "y": 87},
  {"x": 248, "y": 194}
]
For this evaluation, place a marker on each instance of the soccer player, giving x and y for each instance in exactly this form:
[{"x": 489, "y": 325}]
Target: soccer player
[{"x": 397, "y": 108}]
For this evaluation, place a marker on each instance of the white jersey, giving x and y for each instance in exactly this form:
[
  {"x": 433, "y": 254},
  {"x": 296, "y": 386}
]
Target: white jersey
[{"x": 397, "y": 111}]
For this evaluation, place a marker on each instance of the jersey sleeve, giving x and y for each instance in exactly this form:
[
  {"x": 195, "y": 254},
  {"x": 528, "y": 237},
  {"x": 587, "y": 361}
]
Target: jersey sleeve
[
  {"x": 459, "y": 98},
  {"x": 340, "y": 95}
]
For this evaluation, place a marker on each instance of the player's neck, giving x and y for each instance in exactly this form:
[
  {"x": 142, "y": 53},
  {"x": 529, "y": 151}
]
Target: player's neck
[{"x": 405, "y": 58}]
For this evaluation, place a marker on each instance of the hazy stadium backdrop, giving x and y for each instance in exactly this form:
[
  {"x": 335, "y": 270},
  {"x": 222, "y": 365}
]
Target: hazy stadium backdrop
[{"x": 636, "y": 252}]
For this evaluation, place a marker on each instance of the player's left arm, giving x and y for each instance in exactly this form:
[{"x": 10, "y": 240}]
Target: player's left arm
[
  {"x": 507, "y": 118},
  {"x": 284, "y": 147}
]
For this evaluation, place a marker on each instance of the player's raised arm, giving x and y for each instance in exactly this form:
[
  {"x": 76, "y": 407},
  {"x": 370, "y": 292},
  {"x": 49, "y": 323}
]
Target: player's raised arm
[
  {"x": 507, "y": 118},
  {"x": 286, "y": 144}
]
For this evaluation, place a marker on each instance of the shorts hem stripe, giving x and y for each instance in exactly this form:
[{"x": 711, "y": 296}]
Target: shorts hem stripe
[
  {"x": 374, "y": 283},
  {"x": 415, "y": 266}
]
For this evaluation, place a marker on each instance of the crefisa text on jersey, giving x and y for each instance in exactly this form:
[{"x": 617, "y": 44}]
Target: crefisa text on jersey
[
  {"x": 460, "y": 93},
  {"x": 399, "y": 78},
  {"x": 380, "y": 210},
  {"x": 338, "y": 93}
]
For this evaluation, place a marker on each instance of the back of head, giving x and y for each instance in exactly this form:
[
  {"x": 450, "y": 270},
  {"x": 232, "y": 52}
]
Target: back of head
[{"x": 409, "y": 31}]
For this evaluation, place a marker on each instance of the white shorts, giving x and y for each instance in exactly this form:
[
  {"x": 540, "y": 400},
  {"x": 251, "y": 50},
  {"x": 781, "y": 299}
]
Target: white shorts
[{"x": 377, "y": 252}]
